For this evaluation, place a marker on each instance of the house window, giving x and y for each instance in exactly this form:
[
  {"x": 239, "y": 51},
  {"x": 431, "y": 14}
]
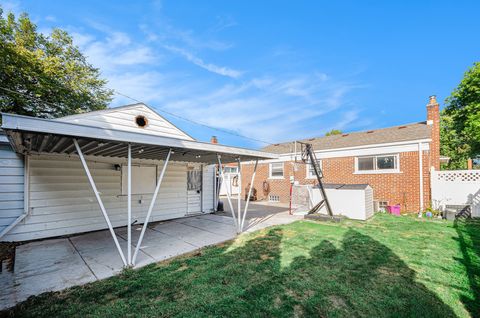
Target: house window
[
  {"x": 231, "y": 170},
  {"x": 381, "y": 206},
  {"x": 274, "y": 198},
  {"x": 311, "y": 172},
  {"x": 276, "y": 170},
  {"x": 377, "y": 164},
  {"x": 144, "y": 179}
]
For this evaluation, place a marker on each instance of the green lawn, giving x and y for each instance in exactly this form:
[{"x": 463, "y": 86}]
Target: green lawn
[{"x": 386, "y": 267}]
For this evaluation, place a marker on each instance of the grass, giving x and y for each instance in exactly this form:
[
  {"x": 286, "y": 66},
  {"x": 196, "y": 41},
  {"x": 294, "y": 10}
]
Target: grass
[{"x": 386, "y": 267}]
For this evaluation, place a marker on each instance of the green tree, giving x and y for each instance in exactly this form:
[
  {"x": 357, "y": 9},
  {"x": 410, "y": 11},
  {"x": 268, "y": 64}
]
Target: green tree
[
  {"x": 45, "y": 76},
  {"x": 460, "y": 121},
  {"x": 333, "y": 132}
]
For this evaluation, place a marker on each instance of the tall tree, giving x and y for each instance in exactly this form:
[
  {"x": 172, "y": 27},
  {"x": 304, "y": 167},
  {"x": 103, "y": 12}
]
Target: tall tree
[
  {"x": 333, "y": 132},
  {"x": 45, "y": 76},
  {"x": 460, "y": 121}
]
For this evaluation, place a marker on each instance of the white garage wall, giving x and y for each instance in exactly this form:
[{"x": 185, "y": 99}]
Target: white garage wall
[
  {"x": 11, "y": 186},
  {"x": 62, "y": 201}
]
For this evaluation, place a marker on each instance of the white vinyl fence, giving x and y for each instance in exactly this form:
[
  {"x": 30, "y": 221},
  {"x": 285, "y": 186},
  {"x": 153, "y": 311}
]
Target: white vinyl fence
[
  {"x": 232, "y": 181},
  {"x": 456, "y": 187}
]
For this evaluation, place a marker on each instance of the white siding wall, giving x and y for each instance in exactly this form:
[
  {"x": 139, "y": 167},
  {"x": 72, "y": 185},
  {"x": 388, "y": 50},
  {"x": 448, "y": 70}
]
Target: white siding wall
[
  {"x": 124, "y": 119},
  {"x": 62, "y": 202},
  {"x": 207, "y": 188},
  {"x": 11, "y": 185}
]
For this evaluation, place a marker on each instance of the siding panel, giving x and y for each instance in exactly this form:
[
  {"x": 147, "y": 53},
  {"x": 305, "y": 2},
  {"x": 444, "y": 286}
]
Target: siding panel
[
  {"x": 62, "y": 202},
  {"x": 124, "y": 119},
  {"x": 11, "y": 185},
  {"x": 207, "y": 191}
]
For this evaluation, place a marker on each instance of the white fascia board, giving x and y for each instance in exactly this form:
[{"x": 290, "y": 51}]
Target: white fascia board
[
  {"x": 48, "y": 126},
  {"x": 376, "y": 149}
]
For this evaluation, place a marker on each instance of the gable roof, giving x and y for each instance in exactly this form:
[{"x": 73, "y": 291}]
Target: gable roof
[
  {"x": 406, "y": 132},
  {"x": 123, "y": 118}
]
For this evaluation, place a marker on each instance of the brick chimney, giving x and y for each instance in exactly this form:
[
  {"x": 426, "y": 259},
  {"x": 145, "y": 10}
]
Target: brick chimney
[
  {"x": 214, "y": 140},
  {"x": 433, "y": 120}
]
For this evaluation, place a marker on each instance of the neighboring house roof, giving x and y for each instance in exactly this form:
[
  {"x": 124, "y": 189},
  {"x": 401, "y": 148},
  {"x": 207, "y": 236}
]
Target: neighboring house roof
[{"x": 406, "y": 132}]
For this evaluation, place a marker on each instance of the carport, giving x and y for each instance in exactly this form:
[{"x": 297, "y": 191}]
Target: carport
[{"x": 34, "y": 136}]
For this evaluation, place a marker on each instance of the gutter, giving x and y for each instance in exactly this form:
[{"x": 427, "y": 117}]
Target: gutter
[{"x": 12, "y": 225}]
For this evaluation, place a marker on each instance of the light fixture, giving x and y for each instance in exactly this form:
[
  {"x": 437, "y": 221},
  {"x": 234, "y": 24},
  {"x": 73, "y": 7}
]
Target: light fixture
[
  {"x": 197, "y": 156},
  {"x": 141, "y": 150}
]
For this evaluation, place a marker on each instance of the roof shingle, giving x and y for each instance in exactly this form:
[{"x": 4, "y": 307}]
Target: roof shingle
[{"x": 377, "y": 136}]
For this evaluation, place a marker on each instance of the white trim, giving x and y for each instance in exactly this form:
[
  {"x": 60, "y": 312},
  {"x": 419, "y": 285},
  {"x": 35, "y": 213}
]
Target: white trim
[
  {"x": 129, "y": 205},
  {"x": 270, "y": 171},
  {"x": 379, "y": 172},
  {"x": 26, "y": 184},
  {"x": 48, "y": 126},
  {"x": 376, "y": 170},
  {"x": 420, "y": 169},
  {"x": 398, "y": 143},
  {"x": 392, "y": 148}
]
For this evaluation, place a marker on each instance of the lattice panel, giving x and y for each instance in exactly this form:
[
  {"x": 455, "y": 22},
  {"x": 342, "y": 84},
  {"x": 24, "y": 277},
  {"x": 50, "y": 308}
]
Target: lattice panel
[{"x": 458, "y": 176}]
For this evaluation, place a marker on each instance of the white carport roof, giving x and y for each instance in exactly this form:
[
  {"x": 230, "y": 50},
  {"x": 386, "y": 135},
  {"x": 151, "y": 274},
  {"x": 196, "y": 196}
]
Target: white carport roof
[{"x": 37, "y": 135}]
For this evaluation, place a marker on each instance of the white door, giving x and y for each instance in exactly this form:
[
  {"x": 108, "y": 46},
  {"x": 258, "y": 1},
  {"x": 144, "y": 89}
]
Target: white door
[{"x": 194, "y": 190}]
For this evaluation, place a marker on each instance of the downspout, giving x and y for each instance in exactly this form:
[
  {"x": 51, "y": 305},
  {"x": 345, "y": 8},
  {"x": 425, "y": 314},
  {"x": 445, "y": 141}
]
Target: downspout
[
  {"x": 26, "y": 197},
  {"x": 420, "y": 165}
]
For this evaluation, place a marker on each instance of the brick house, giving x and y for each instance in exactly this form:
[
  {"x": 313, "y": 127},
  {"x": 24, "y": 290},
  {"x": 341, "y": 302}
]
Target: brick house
[{"x": 394, "y": 161}]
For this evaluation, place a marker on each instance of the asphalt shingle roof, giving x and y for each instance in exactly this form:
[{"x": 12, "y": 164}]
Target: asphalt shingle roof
[{"x": 376, "y": 136}]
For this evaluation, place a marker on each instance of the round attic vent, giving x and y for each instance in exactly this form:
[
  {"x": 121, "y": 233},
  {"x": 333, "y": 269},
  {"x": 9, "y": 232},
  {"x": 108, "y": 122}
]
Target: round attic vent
[{"x": 141, "y": 121}]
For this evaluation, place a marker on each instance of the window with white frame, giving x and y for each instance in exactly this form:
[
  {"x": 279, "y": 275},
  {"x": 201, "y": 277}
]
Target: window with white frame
[
  {"x": 276, "y": 170},
  {"x": 310, "y": 171},
  {"x": 378, "y": 164},
  {"x": 231, "y": 170}
]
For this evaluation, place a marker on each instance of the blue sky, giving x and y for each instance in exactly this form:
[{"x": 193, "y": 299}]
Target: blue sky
[{"x": 273, "y": 70}]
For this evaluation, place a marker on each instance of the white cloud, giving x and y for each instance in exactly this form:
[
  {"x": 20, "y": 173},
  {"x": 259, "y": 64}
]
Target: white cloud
[
  {"x": 11, "y": 6},
  {"x": 220, "y": 70},
  {"x": 114, "y": 49},
  {"x": 50, "y": 18},
  {"x": 267, "y": 112},
  {"x": 274, "y": 107}
]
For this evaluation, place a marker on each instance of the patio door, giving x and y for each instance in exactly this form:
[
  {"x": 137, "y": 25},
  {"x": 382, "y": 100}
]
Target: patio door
[{"x": 194, "y": 190}]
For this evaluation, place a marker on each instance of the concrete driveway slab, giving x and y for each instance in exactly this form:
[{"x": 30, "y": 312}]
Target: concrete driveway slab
[
  {"x": 56, "y": 264},
  {"x": 41, "y": 267}
]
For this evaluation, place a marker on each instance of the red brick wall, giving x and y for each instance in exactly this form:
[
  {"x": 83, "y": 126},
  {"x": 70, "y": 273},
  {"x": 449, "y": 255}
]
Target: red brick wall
[{"x": 402, "y": 188}]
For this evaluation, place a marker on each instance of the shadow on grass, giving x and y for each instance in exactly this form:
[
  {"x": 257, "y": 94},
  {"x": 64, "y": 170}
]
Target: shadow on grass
[
  {"x": 361, "y": 278},
  {"x": 469, "y": 240}
]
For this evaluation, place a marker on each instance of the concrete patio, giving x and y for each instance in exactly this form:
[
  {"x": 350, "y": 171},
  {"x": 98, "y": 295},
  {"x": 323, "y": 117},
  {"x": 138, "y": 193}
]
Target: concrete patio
[{"x": 56, "y": 264}]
